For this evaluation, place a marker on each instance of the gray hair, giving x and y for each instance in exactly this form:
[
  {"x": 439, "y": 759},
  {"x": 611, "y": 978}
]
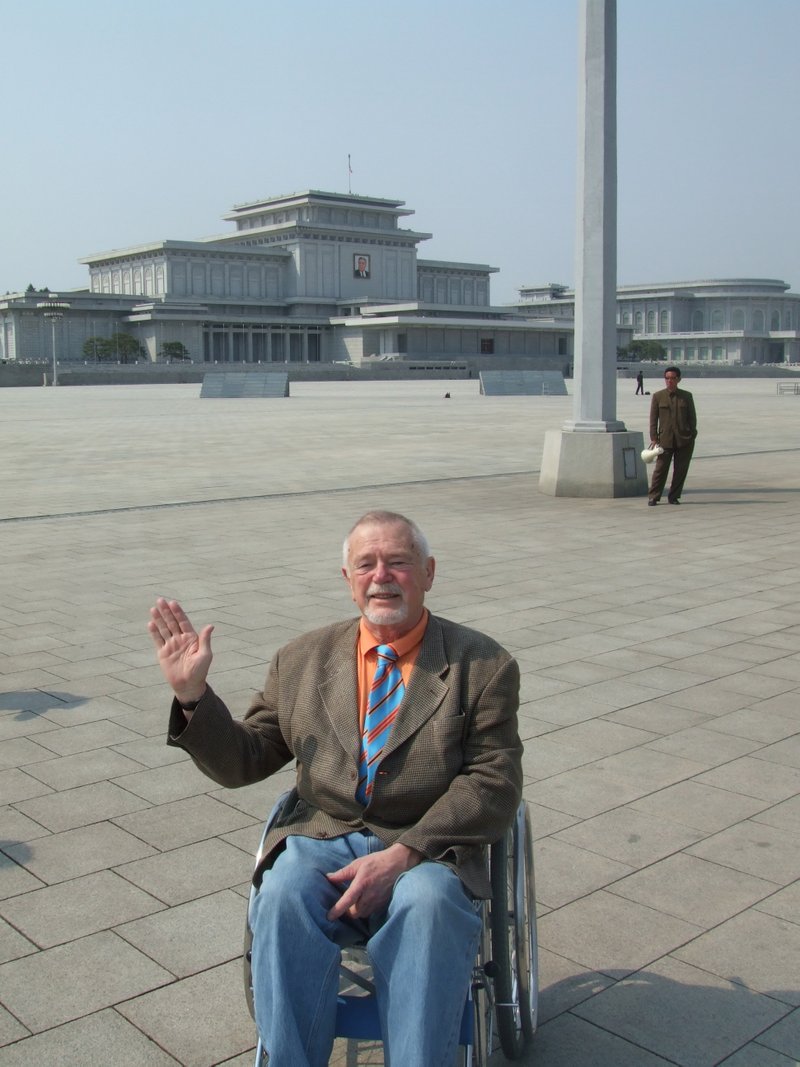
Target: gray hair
[{"x": 389, "y": 518}]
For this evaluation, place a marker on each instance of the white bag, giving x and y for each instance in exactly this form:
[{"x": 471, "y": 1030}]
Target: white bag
[{"x": 649, "y": 454}]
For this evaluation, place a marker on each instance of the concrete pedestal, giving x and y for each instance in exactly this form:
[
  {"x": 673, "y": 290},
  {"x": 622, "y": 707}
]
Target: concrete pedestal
[{"x": 593, "y": 464}]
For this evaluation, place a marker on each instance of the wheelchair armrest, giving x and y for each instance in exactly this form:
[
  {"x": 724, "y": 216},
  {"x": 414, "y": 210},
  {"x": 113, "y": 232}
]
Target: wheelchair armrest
[{"x": 288, "y": 797}]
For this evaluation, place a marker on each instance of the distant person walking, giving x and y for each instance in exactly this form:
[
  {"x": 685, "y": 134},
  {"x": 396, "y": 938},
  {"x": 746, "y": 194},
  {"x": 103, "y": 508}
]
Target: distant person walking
[
  {"x": 673, "y": 425},
  {"x": 639, "y": 384}
]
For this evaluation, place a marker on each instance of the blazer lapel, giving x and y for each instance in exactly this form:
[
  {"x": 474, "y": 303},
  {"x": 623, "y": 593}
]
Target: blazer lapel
[
  {"x": 339, "y": 693},
  {"x": 426, "y": 688}
]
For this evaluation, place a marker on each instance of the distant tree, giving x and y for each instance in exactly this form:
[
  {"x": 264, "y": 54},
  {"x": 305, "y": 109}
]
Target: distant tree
[
  {"x": 647, "y": 351},
  {"x": 174, "y": 351},
  {"x": 125, "y": 348},
  {"x": 30, "y": 288},
  {"x": 97, "y": 348}
]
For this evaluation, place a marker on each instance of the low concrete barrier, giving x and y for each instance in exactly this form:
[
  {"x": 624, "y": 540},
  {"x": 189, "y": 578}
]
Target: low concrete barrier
[{"x": 252, "y": 384}]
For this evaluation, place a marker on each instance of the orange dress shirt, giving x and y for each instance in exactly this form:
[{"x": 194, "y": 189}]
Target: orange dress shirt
[{"x": 406, "y": 647}]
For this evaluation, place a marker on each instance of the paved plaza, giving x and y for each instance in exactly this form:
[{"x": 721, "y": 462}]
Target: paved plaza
[{"x": 660, "y": 658}]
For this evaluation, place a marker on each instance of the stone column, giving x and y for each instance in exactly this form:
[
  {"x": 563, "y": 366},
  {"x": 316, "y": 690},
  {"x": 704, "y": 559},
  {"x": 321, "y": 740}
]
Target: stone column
[
  {"x": 594, "y": 455},
  {"x": 596, "y": 223}
]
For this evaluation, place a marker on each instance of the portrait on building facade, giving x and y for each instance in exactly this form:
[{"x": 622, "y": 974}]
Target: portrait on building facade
[{"x": 360, "y": 265}]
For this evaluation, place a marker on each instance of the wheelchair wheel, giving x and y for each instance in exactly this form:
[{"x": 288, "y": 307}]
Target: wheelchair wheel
[
  {"x": 513, "y": 932},
  {"x": 478, "y": 1051}
]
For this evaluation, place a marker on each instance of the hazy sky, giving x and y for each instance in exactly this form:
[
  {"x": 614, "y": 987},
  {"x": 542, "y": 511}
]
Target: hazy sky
[{"x": 124, "y": 123}]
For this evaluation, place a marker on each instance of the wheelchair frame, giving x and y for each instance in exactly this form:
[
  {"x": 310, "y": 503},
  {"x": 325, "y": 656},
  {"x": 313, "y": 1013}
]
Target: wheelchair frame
[{"x": 503, "y": 993}]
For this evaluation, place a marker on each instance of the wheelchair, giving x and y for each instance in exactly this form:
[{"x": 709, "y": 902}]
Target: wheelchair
[{"x": 502, "y": 1001}]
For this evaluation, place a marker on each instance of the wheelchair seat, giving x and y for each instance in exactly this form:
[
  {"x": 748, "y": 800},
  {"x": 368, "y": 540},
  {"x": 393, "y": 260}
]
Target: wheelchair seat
[{"x": 502, "y": 1000}]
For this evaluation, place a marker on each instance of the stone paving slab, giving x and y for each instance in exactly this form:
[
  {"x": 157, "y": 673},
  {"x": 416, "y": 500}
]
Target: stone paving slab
[
  {"x": 200, "y": 1020},
  {"x": 689, "y": 997},
  {"x": 71, "y": 980},
  {"x": 171, "y": 938},
  {"x": 660, "y": 658},
  {"x": 71, "y": 910},
  {"x": 104, "y": 1037}
]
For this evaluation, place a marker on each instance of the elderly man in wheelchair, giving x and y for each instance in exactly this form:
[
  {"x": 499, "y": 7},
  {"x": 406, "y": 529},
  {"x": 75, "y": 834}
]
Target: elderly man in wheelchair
[{"x": 403, "y": 729}]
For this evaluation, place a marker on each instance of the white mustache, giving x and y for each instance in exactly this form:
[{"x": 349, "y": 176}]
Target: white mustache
[{"x": 392, "y": 587}]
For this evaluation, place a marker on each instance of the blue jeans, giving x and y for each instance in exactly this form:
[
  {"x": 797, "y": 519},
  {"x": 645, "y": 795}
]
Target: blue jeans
[{"x": 422, "y": 948}]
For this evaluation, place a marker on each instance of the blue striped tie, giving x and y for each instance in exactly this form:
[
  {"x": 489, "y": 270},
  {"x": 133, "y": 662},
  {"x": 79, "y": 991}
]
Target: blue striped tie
[{"x": 384, "y": 700}]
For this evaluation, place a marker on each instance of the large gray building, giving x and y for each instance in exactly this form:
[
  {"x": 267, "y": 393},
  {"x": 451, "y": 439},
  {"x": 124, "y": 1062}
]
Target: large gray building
[
  {"x": 305, "y": 278},
  {"x": 725, "y": 321}
]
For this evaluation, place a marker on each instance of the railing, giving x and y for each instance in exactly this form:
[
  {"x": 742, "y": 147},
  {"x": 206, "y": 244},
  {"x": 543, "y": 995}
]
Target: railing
[{"x": 788, "y": 387}]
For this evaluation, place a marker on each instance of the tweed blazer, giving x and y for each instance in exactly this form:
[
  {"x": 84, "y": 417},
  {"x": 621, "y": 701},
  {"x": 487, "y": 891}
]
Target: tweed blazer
[
  {"x": 668, "y": 431},
  {"x": 450, "y": 776}
]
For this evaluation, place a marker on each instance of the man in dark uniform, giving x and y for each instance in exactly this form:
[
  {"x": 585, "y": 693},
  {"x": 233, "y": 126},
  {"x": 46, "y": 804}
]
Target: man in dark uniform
[{"x": 673, "y": 425}]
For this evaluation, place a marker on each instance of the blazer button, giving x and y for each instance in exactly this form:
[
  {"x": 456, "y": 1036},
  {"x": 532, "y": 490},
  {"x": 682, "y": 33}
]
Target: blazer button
[
  {"x": 323, "y": 834},
  {"x": 353, "y": 776}
]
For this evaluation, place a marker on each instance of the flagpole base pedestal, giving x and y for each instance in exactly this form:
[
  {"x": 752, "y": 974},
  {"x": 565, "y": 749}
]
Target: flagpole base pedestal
[{"x": 587, "y": 464}]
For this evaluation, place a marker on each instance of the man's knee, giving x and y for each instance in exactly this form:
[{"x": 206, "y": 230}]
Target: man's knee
[
  {"x": 432, "y": 890},
  {"x": 294, "y": 886},
  {"x": 432, "y": 921}
]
